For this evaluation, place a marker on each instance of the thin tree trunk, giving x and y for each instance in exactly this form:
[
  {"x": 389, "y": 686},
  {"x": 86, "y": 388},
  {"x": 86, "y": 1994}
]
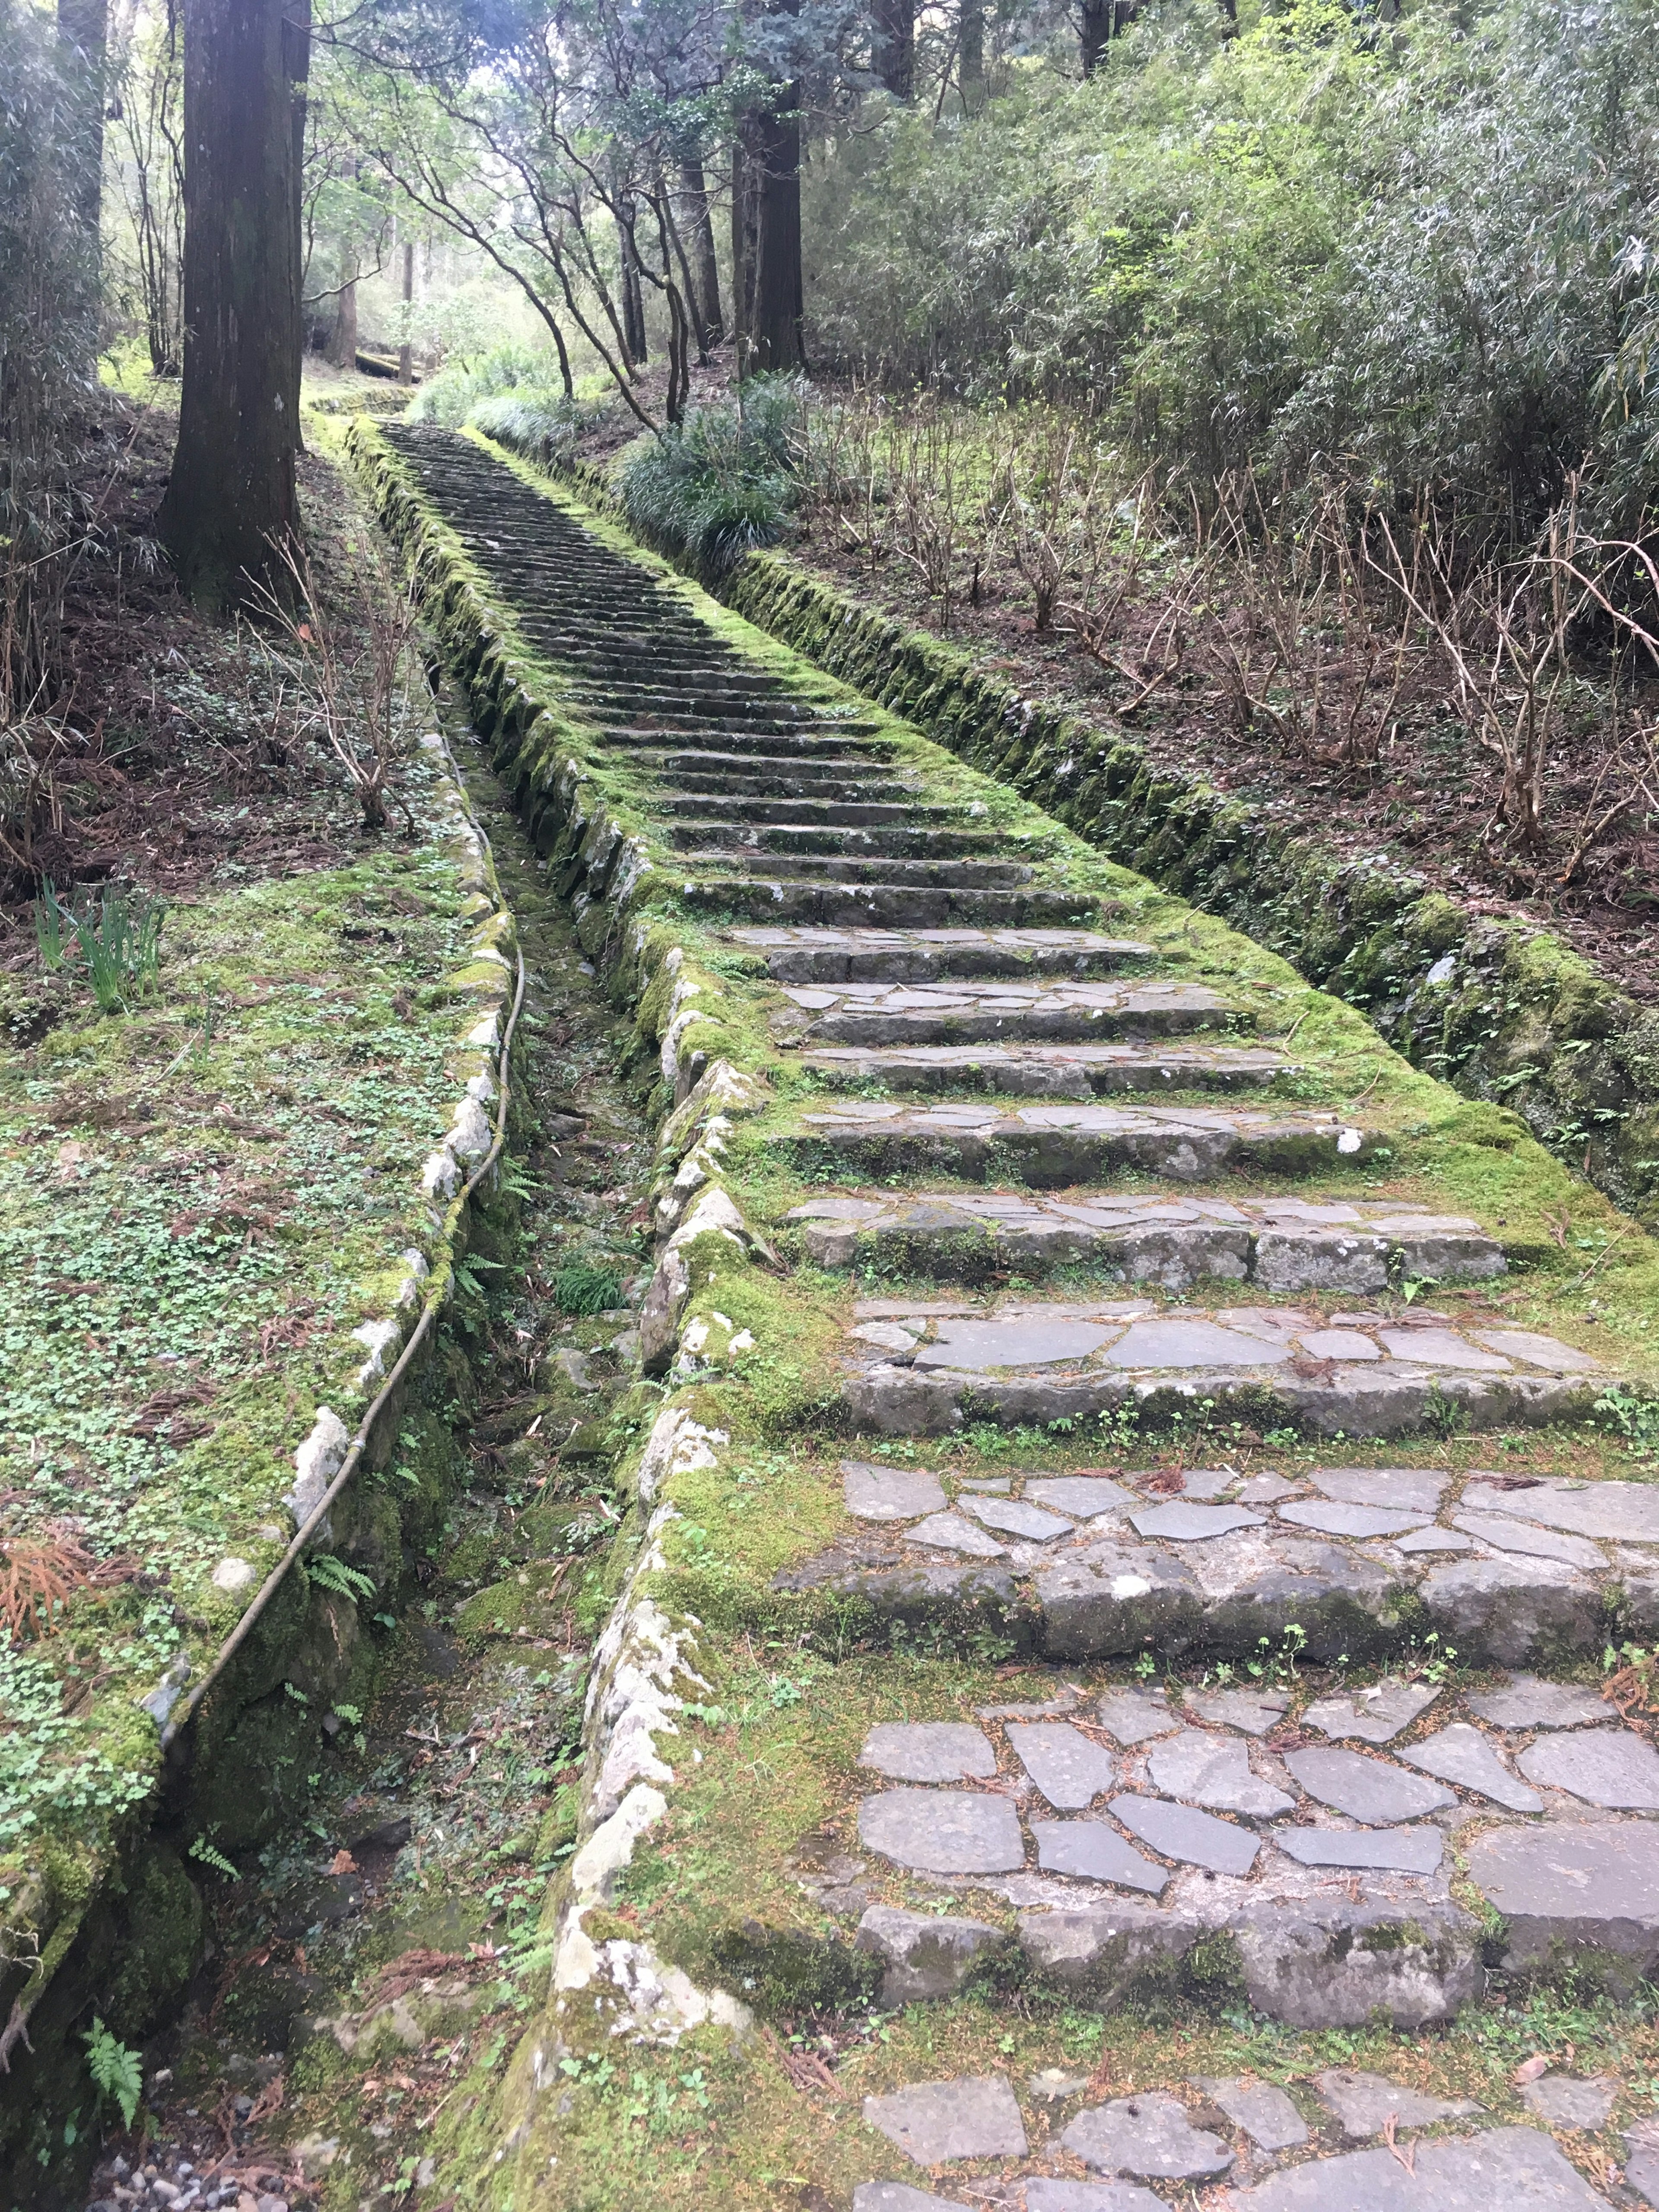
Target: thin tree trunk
[
  {"x": 83, "y": 29},
  {"x": 406, "y": 350},
  {"x": 231, "y": 488},
  {"x": 632, "y": 301},
  {"x": 970, "y": 54},
  {"x": 700, "y": 234},
  {"x": 297, "y": 57},
  {"x": 895, "y": 43},
  {"x": 342, "y": 338}
]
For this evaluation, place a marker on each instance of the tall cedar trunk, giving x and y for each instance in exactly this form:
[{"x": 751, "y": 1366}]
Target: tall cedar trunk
[
  {"x": 700, "y": 248},
  {"x": 232, "y": 487},
  {"x": 894, "y": 38},
  {"x": 766, "y": 232},
  {"x": 406, "y": 350},
  {"x": 342, "y": 338},
  {"x": 296, "y": 59},
  {"x": 83, "y": 29},
  {"x": 1099, "y": 22},
  {"x": 970, "y": 54}
]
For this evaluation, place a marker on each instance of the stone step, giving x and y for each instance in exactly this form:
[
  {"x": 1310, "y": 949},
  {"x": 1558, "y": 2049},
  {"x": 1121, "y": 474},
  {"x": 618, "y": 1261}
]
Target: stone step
[
  {"x": 815, "y": 811},
  {"x": 1272, "y": 1367},
  {"x": 748, "y": 898},
  {"x": 1059, "y": 1146},
  {"x": 919, "y": 956},
  {"x": 1277, "y": 1245},
  {"x": 882, "y": 874},
  {"x": 832, "y": 841},
  {"x": 837, "y": 745},
  {"x": 1055, "y": 1071},
  {"x": 973, "y": 1012},
  {"x": 780, "y": 782}
]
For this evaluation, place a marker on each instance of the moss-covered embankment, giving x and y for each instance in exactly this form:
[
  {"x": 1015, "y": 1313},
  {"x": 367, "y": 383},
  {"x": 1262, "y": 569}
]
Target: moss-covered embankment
[{"x": 226, "y": 1211}]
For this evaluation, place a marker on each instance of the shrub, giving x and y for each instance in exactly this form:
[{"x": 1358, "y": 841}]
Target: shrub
[
  {"x": 543, "y": 426},
  {"x": 449, "y": 395},
  {"x": 725, "y": 482}
]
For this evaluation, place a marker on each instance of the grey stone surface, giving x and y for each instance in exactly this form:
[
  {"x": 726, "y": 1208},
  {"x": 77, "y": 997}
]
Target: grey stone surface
[
  {"x": 1528, "y": 1703},
  {"x": 1626, "y": 1511},
  {"x": 1499, "y": 2170},
  {"x": 1110, "y": 1596},
  {"x": 1180, "y": 1832},
  {"x": 925, "y": 1954},
  {"x": 1641, "y": 2161},
  {"x": 950, "y": 1532},
  {"x": 1332, "y": 1517},
  {"x": 1267, "y": 1490},
  {"x": 1507, "y": 1610},
  {"x": 1253, "y": 1711},
  {"x": 1136, "y": 1715},
  {"x": 1460, "y": 1754},
  {"x": 1434, "y": 1539},
  {"x": 1394, "y": 1850},
  {"x": 899, "y": 2197},
  {"x": 1044, "y": 2194},
  {"x": 1180, "y": 1522},
  {"x": 1505, "y": 1534},
  {"x": 976, "y": 1347},
  {"x": 1365, "y": 1789},
  {"x": 1090, "y": 1851},
  {"x": 1408, "y": 1488},
  {"x": 1149, "y": 2135},
  {"x": 1375, "y": 1715},
  {"x": 1261, "y": 2109},
  {"x": 1214, "y": 1772},
  {"x": 1083, "y": 1495},
  {"x": 1334, "y": 1960},
  {"x": 1565, "y": 2101},
  {"x": 1067, "y": 1766},
  {"x": 1110, "y": 1953},
  {"x": 1566, "y": 1884},
  {"x": 1612, "y": 1767},
  {"x": 929, "y": 1751},
  {"x": 933, "y": 2121},
  {"x": 890, "y": 1493},
  {"x": 1362, "y": 2104},
  {"x": 943, "y": 1830},
  {"x": 1016, "y": 1518}
]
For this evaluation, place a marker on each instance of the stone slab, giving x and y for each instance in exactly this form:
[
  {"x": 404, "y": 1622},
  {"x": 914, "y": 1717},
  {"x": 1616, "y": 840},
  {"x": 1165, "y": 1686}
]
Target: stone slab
[
  {"x": 1044, "y": 2194},
  {"x": 1641, "y": 2161},
  {"x": 1625, "y": 1512},
  {"x": 1365, "y": 1789},
  {"x": 1567, "y": 1884},
  {"x": 1136, "y": 1715},
  {"x": 1067, "y": 1766},
  {"x": 929, "y": 1751},
  {"x": 1149, "y": 2135},
  {"x": 1435, "y": 1539},
  {"x": 1611, "y": 1767},
  {"x": 925, "y": 1954},
  {"x": 943, "y": 1830},
  {"x": 1331, "y": 1517},
  {"x": 899, "y": 2197},
  {"x": 1502, "y": 1610},
  {"x": 934, "y": 2122},
  {"x": 1349, "y": 1951},
  {"x": 1214, "y": 1772},
  {"x": 1090, "y": 1851},
  {"x": 1260, "y": 2109},
  {"x": 1267, "y": 1490},
  {"x": 1375, "y": 1715},
  {"x": 1383, "y": 1850},
  {"x": 1180, "y": 1832},
  {"x": 1253, "y": 1711},
  {"x": 1566, "y": 2100},
  {"x": 1181, "y": 1522},
  {"x": 1362, "y": 2104},
  {"x": 1528, "y": 1703},
  {"x": 977, "y": 1346},
  {"x": 1462, "y": 1754},
  {"x": 950, "y": 1532},
  {"x": 1016, "y": 1518},
  {"x": 1505, "y": 1534},
  {"x": 1517, "y": 2169},
  {"x": 890, "y": 1493},
  {"x": 1406, "y": 1488},
  {"x": 1082, "y": 1495}
]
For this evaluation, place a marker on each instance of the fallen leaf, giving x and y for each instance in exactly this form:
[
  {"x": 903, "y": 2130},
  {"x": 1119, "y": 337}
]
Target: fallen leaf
[{"x": 343, "y": 1862}]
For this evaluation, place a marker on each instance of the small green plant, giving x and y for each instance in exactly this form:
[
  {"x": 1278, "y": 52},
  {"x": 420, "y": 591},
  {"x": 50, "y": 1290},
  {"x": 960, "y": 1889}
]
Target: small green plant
[
  {"x": 54, "y": 926},
  {"x": 331, "y": 1574},
  {"x": 121, "y": 948},
  {"x": 115, "y": 2069},
  {"x": 1443, "y": 1417},
  {"x": 1279, "y": 1666},
  {"x": 726, "y": 480},
  {"x": 1635, "y": 1419},
  {"x": 204, "y": 1850},
  {"x": 581, "y": 1287},
  {"x": 1435, "y": 1660}
]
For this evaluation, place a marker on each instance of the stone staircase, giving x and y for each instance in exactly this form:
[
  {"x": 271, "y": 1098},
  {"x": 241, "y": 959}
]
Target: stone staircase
[{"x": 1067, "y": 1185}]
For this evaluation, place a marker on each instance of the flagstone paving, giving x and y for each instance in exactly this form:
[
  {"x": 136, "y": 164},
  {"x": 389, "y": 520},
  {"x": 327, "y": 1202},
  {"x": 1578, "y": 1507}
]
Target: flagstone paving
[{"x": 1014, "y": 1161}]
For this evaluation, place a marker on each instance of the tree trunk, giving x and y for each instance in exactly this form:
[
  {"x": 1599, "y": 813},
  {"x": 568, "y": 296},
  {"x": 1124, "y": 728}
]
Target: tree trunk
[
  {"x": 232, "y": 487},
  {"x": 700, "y": 246},
  {"x": 894, "y": 39},
  {"x": 296, "y": 61},
  {"x": 773, "y": 336},
  {"x": 342, "y": 338},
  {"x": 1099, "y": 24},
  {"x": 83, "y": 29},
  {"x": 406, "y": 350},
  {"x": 970, "y": 54},
  {"x": 633, "y": 298}
]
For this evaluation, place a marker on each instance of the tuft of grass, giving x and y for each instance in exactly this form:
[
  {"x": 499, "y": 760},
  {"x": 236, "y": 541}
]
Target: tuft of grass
[
  {"x": 726, "y": 481},
  {"x": 580, "y": 1287}
]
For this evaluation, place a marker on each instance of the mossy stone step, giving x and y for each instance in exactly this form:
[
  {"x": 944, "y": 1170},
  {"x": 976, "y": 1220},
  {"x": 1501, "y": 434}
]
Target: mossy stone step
[
  {"x": 829, "y": 742},
  {"x": 1052, "y": 1071},
  {"x": 757, "y": 898},
  {"x": 972, "y": 1011},
  {"x": 893, "y": 956},
  {"x": 846, "y": 841},
  {"x": 887, "y": 874},
  {"x": 826, "y": 812}
]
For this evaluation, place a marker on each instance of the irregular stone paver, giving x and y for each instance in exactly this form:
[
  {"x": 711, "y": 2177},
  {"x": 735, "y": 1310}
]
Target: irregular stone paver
[
  {"x": 1612, "y": 1767},
  {"x": 1181, "y": 1832},
  {"x": 1565, "y": 2101},
  {"x": 890, "y": 1493},
  {"x": 1045, "y": 2195},
  {"x": 932, "y": 2122},
  {"x": 1212, "y": 1771},
  {"x": 899, "y": 2197},
  {"x": 1333, "y": 1518},
  {"x": 1084, "y": 1495},
  {"x": 1627, "y": 1512},
  {"x": 1365, "y": 1789},
  {"x": 1149, "y": 2135},
  {"x": 1528, "y": 1703},
  {"x": 1377, "y": 1713},
  {"x": 1641, "y": 2161},
  {"x": 1067, "y": 1767},
  {"x": 1394, "y": 1850},
  {"x": 1503, "y": 1610},
  {"x": 943, "y": 1830},
  {"x": 929, "y": 1751},
  {"x": 979, "y": 1345},
  {"x": 949, "y": 1532},
  {"x": 1434, "y": 1539},
  {"x": 1400, "y": 1488},
  {"x": 1567, "y": 1884},
  {"x": 926, "y": 1955},
  {"x": 1181, "y": 1523},
  {"x": 1363, "y": 2103},
  {"x": 1016, "y": 1518},
  {"x": 1136, "y": 1715},
  {"x": 1505, "y": 1534},
  {"x": 1253, "y": 1711},
  {"x": 1500, "y": 2170},
  {"x": 1460, "y": 1754},
  {"x": 1091, "y": 1852},
  {"x": 1261, "y": 2109},
  {"x": 1266, "y": 1490}
]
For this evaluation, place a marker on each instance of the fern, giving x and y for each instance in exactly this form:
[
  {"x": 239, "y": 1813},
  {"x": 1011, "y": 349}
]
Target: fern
[
  {"x": 115, "y": 2067},
  {"x": 201, "y": 1848},
  {"x": 331, "y": 1574}
]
